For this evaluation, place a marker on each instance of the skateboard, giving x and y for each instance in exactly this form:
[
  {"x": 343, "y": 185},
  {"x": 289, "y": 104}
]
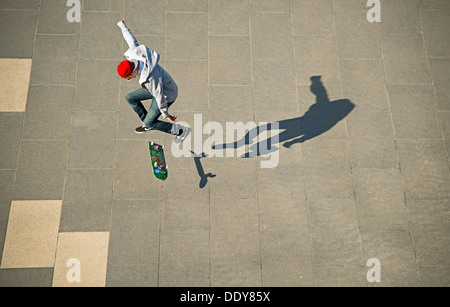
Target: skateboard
[{"x": 158, "y": 161}]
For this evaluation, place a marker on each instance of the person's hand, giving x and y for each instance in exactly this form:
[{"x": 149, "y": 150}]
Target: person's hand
[
  {"x": 120, "y": 23},
  {"x": 172, "y": 119}
]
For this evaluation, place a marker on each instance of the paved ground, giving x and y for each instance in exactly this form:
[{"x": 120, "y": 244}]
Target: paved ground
[{"x": 362, "y": 161}]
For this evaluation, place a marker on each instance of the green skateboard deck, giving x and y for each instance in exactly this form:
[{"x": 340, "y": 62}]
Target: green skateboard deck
[{"x": 158, "y": 160}]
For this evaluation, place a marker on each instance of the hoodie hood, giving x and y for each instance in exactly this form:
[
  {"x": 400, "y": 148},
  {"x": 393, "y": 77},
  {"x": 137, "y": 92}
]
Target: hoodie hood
[{"x": 149, "y": 57}]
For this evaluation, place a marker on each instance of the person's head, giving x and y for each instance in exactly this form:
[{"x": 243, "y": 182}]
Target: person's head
[{"x": 127, "y": 70}]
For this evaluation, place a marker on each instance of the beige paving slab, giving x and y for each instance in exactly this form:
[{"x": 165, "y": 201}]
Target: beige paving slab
[
  {"x": 83, "y": 255},
  {"x": 32, "y": 234},
  {"x": 14, "y": 82}
]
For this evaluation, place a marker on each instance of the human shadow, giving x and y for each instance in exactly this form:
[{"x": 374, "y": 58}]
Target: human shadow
[
  {"x": 320, "y": 117},
  {"x": 201, "y": 172}
]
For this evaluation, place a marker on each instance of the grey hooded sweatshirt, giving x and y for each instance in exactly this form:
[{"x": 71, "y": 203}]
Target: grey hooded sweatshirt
[{"x": 152, "y": 77}]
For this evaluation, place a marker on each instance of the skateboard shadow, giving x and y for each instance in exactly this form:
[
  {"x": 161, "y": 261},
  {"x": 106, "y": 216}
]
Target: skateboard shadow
[
  {"x": 321, "y": 117},
  {"x": 201, "y": 172}
]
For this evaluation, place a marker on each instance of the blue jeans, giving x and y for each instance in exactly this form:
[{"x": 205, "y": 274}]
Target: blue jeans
[{"x": 150, "y": 117}]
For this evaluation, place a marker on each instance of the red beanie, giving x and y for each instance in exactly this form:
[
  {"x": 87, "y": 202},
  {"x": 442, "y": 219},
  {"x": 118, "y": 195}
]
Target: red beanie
[{"x": 125, "y": 68}]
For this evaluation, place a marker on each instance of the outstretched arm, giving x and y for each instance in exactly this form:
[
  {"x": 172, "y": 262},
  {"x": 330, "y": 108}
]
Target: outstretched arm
[{"x": 129, "y": 38}]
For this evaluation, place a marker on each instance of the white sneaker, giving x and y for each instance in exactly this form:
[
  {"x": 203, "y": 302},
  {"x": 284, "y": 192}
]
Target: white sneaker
[{"x": 181, "y": 137}]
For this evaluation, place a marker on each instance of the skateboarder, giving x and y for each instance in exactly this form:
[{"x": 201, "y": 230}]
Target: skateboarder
[{"x": 156, "y": 84}]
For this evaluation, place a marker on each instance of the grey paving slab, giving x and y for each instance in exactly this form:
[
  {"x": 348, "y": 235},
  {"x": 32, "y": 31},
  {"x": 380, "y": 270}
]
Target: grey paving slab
[
  {"x": 187, "y": 35},
  {"x": 30, "y": 277},
  {"x": 101, "y": 95},
  {"x": 223, "y": 275},
  {"x": 92, "y": 140},
  {"x": 363, "y": 83},
  {"x": 322, "y": 183},
  {"x": 434, "y": 276},
  {"x": 146, "y": 19},
  {"x": 404, "y": 59},
  {"x": 271, "y": 36},
  {"x": 230, "y": 104},
  {"x": 433, "y": 4},
  {"x": 444, "y": 118},
  {"x": 185, "y": 186},
  {"x": 349, "y": 5},
  {"x": 356, "y": 38},
  {"x": 280, "y": 214},
  {"x": 235, "y": 241},
  {"x": 6, "y": 190},
  {"x": 339, "y": 276},
  {"x": 380, "y": 199},
  {"x": 132, "y": 276},
  {"x": 439, "y": 73},
  {"x": 184, "y": 215},
  {"x": 270, "y": 6},
  {"x": 399, "y": 17},
  {"x": 371, "y": 140},
  {"x": 234, "y": 215},
  {"x": 430, "y": 226},
  {"x": 335, "y": 237},
  {"x": 435, "y": 25},
  {"x": 413, "y": 112},
  {"x": 286, "y": 259},
  {"x": 54, "y": 59},
  {"x": 325, "y": 154},
  {"x": 134, "y": 240},
  {"x": 395, "y": 252},
  {"x": 184, "y": 259},
  {"x": 53, "y": 20},
  {"x": 424, "y": 168},
  {"x": 192, "y": 80},
  {"x": 103, "y": 5},
  {"x": 18, "y": 33},
  {"x": 97, "y": 41},
  {"x": 237, "y": 175},
  {"x": 228, "y": 17},
  {"x": 312, "y": 17},
  {"x": 49, "y": 112},
  {"x": 41, "y": 170},
  {"x": 280, "y": 104},
  {"x": 187, "y": 6},
  {"x": 136, "y": 184},
  {"x": 292, "y": 191},
  {"x": 10, "y": 130},
  {"x": 287, "y": 157},
  {"x": 229, "y": 60},
  {"x": 87, "y": 201},
  {"x": 317, "y": 56},
  {"x": 20, "y": 4}
]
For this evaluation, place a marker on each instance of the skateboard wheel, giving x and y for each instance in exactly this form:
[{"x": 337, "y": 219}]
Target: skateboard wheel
[
  {"x": 152, "y": 143},
  {"x": 162, "y": 147}
]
